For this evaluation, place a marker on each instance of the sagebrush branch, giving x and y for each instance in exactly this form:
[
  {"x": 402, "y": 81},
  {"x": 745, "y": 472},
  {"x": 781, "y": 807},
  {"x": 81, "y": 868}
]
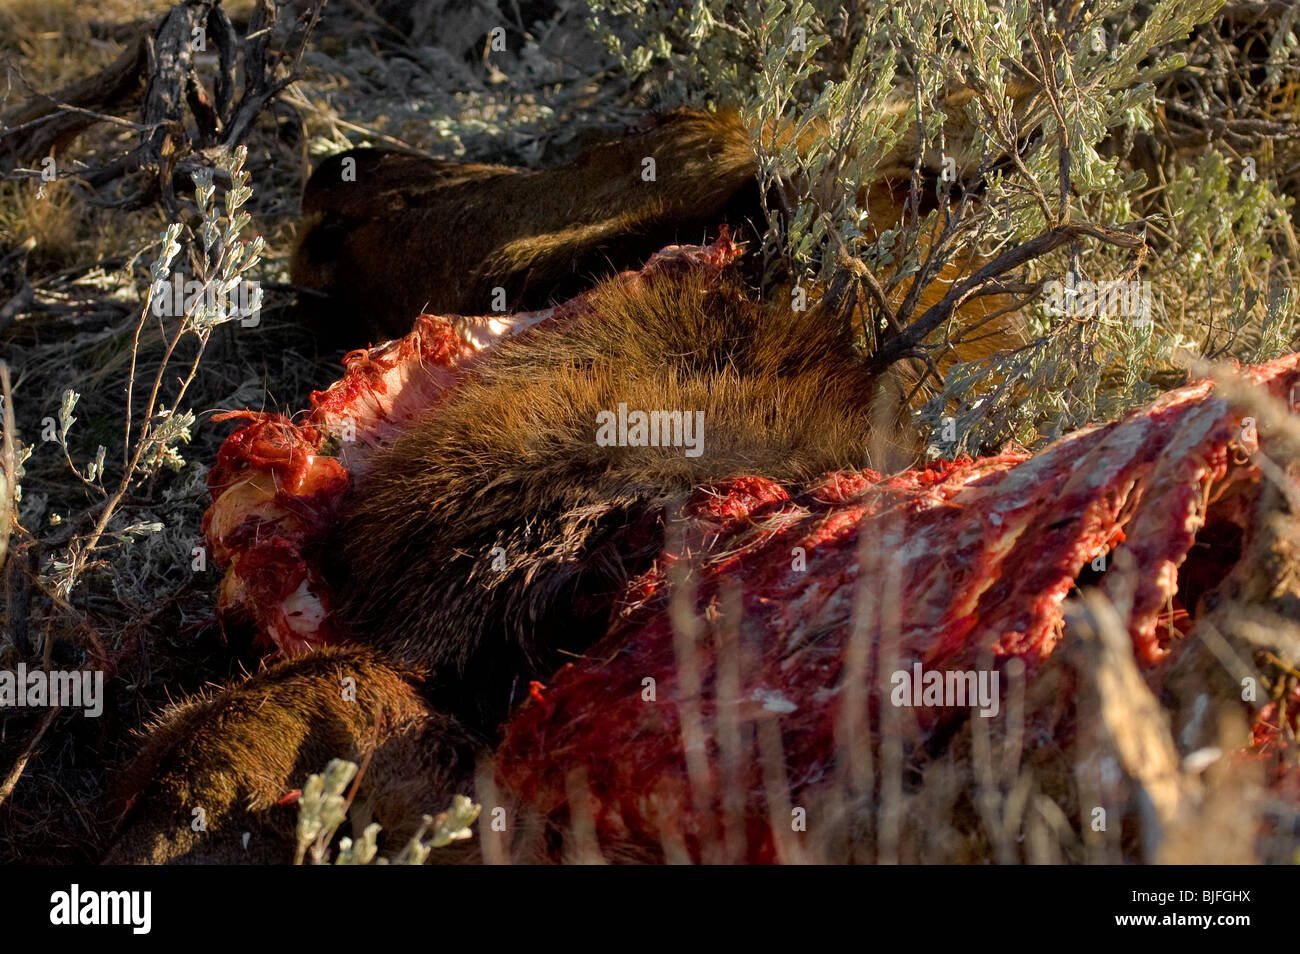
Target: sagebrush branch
[{"x": 906, "y": 343}]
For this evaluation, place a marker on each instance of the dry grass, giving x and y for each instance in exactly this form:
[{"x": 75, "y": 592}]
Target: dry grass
[{"x": 48, "y": 45}]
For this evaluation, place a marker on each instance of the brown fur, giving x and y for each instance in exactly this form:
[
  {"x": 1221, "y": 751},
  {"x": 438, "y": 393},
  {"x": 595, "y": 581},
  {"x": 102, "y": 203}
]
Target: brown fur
[
  {"x": 414, "y": 234},
  {"x": 237, "y": 752},
  {"x": 512, "y": 462}
]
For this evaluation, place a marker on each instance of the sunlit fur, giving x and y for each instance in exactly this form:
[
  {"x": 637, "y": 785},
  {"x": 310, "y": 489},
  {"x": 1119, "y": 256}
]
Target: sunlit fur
[
  {"x": 233, "y": 754},
  {"x": 511, "y": 461}
]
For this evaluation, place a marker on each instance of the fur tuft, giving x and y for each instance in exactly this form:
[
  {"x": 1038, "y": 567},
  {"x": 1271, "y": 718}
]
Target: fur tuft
[
  {"x": 511, "y": 461},
  {"x": 235, "y": 753}
]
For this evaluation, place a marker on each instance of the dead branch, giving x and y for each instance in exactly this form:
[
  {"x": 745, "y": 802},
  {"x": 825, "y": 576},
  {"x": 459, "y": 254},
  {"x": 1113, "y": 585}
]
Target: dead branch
[
  {"x": 181, "y": 112},
  {"x": 16, "y": 771},
  {"x": 46, "y": 123}
]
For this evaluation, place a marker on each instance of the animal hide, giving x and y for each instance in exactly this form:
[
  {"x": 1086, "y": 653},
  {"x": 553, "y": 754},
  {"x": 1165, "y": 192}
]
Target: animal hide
[{"x": 750, "y": 671}]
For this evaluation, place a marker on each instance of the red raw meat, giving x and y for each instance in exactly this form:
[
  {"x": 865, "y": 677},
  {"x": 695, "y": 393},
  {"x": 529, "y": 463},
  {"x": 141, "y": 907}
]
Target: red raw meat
[
  {"x": 946, "y": 566},
  {"x": 968, "y": 557}
]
